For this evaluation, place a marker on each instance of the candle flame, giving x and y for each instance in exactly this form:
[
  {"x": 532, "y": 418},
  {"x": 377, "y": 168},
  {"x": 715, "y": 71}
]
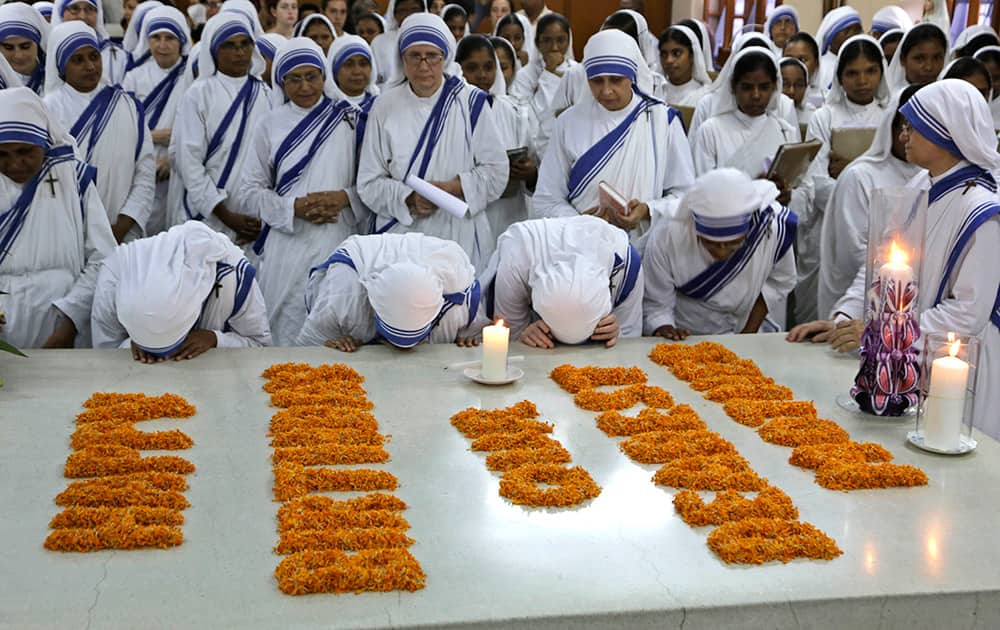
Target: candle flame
[
  {"x": 499, "y": 322},
  {"x": 896, "y": 255},
  {"x": 954, "y": 347}
]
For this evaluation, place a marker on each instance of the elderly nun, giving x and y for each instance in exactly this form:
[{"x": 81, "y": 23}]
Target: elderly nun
[
  {"x": 725, "y": 264},
  {"x": 54, "y": 231},
  {"x": 404, "y": 289},
  {"x": 299, "y": 178},
  {"x": 108, "y": 124},
  {"x": 24, "y": 38},
  {"x": 621, "y": 137},
  {"x": 436, "y": 127},
  {"x": 178, "y": 294}
]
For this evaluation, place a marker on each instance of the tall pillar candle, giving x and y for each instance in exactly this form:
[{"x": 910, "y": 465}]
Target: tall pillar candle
[
  {"x": 495, "y": 341},
  {"x": 895, "y": 273},
  {"x": 944, "y": 407}
]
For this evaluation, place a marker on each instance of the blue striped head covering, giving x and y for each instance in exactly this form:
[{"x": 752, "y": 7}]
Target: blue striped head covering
[
  {"x": 18, "y": 28},
  {"x": 426, "y": 28},
  {"x": 607, "y": 53},
  {"x": 952, "y": 114},
  {"x": 350, "y": 48},
  {"x": 159, "y": 24},
  {"x": 232, "y": 28},
  {"x": 834, "y": 22},
  {"x": 24, "y": 118},
  {"x": 407, "y": 299},
  {"x": 722, "y": 202},
  {"x": 79, "y": 36},
  {"x": 296, "y": 52},
  {"x": 44, "y": 9},
  {"x": 267, "y": 47},
  {"x": 785, "y": 10}
]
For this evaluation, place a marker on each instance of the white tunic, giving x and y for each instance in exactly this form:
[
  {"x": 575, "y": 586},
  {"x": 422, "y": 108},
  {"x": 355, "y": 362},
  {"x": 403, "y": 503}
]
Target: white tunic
[
  {"x": 740, "y": 141},
  {"x": 141, "y": 81},
  {"x": 702, "y": 111},
  {"x": 126, "y": 171},
  {"x": 652, "y": 165},
  {"x": 685, "y": 95},
  {"x": 514, "y": 123},
  {"x": 531, "y": 246},
  {"x": 201, "y": 113},
  {"x": 476, "y": 157},
  {"x": 242, "y": 327},
  {"x": 295, "y": 245},
  {"x": 52, "y": 266},
  {"x": 536, "y": 85},
  {"x": 674, "y": 257}
]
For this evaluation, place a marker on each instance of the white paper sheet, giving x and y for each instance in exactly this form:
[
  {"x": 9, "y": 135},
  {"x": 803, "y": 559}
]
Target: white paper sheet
[{"x": 443, "y": 200}]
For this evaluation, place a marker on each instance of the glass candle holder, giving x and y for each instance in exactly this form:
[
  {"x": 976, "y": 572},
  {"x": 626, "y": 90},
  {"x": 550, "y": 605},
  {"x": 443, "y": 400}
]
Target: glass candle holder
[{"x": 947, "y": 393}]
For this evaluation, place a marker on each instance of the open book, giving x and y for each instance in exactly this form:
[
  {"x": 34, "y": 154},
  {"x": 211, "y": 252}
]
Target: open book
[
  {"x": 792, "y": 160},
  {"x": 851, "y": 142}
]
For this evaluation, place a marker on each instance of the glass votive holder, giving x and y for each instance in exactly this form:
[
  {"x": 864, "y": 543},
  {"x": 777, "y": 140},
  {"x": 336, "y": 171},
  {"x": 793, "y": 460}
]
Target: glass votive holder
[{"x": 947, "y": 394}]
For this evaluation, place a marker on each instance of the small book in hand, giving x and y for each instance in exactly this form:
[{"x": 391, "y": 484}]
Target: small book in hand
[
  {"x": 610, "y": 199},
  {"x": 792, "y": 160},
  {"x": 850, "y": 143},
  {"x": 514, "y": 185}
]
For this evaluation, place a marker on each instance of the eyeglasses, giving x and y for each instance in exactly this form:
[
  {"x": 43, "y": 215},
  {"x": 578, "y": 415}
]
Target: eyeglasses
[
  {"x": 81, "y": 8},
  {"x": 432, "y": 60},
  {"x": 296, "y": 80}
]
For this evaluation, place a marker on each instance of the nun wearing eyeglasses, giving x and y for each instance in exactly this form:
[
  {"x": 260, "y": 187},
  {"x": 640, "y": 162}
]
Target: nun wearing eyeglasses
[
  {"x": 54, "y": 231},
  {"x": 440, "y": 129},
  {"x": 567, "y": 280},
  {"x": 24, "y": 38},
  {"x": 178, "y": 294},
  {"x": 159, "y": 82},
  {"x": 91, "y": 12},
  {"x": 781, "y": 25},
  {"x": 403, "y": 289},
  {"x": 621, "y": 136},
  {"x": 724, "y": 265},
  {"x": 950, "y": 133},
  {"x": 299, "y": 178},
  {"x": 212, "y": 133},
  {"x": 109, "y": 126}
]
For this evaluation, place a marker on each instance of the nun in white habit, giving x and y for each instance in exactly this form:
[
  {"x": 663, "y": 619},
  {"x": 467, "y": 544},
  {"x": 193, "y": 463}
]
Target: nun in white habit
[
  {"x": 781, "y": 15},
  {"x": 178, "y": 294},
  {"x": 952, "y": 136},
  {"x": 385, "y": 46},
  {"x": 687, "y": 94},
  {"x": 91, "y": 12},
  {"x": 990, "y": 55},
  {"x": 888, "y": 18},
  {"x": 929, "y": 67},
  {"x": 621, "y": 136},
  {"x": 733, "y": 138},
  {"x": 108, "y": 124},
  {"x": 20, "y": 20},
  {"x": 54, "y": 231},
  {"x": 566, "y": 280},
  {"x": 436, "y": 127},
  {"x": 843, "y": 237},
  {"x": 160, "y": 89},
  {"x": 350, "y": 53},
  {"x": 211, "y": 135},
  {"x": 299, "y": 178},
  {"x": 724, "y": 264},
  {"x": 836, "y": 27},
  {"x": 133, "y": 33},
  {"x": 402, "y": 288}
]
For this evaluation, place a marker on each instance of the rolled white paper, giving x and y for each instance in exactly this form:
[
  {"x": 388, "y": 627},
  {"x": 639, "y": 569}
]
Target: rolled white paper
[
  {"x": 443, "y": 200},
  {"x": 495, "y": 342},
  {"x": 945, "y": 403}
]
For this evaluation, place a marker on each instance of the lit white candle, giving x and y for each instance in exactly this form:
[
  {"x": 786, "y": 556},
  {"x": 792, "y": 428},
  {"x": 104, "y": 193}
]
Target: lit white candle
[
  {"x": 945, "y": 403},
  {"x": 495, "y": 341},
  {"x": 897, "y": 272}
]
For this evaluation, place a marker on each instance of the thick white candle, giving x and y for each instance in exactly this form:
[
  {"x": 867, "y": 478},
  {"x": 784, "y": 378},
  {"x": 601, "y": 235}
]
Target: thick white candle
[
  {"x": 495, "y": 342},
  {"x": 945, "y": 404},
  {"x": 896, "y": 271}
]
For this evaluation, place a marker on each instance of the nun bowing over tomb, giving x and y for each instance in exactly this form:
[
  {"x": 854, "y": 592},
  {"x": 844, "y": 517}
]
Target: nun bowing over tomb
[
  {"x": 566, "y": 280},
  {"x": 724, "y": 264},
  {"x": 178, "y": 294},
  {"x": 299, "y": 178},
  {"x": 54, "y": 231},
  {"x": 160, "y": 83},
  {"x": 217, "y": 116},
  {"x": 402, "y": 288},
  {"x": 24, "y": 38},
  {"x": 621, "y": 136},
  {"x": 436, "y": 127},
  {"x": 108, "y": 124}
]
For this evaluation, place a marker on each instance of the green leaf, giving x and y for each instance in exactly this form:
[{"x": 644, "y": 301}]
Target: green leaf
[{"x": 6, "y": 347}]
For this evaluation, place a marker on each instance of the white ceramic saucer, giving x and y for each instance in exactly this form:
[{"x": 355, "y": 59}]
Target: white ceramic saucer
[{"x": 476, "y": 374}]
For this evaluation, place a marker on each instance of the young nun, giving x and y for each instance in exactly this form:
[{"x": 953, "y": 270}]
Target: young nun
[
  {"x": 919, "y": 58},
  {"x": 160, "y": 83},
  {"x": 971, "y": 70},
  {"x": 91, "y": 12},
  {"x": 108, "y": 124},
  {"x": 299, "y": 178},
  {"x": 634, "y": 23},
  {"x": 889, "y": 41},
  {"x": 621, "y": 136},
  {"x": 370, "y": 26},
  {"x": 803, "y": 47},
  {"x": 745, "y": 128},
  {"x": 540, "y": 78},
  {"x": 402, "y": 288},
  {"x": 479, "y": 64},
  {"x": 781, "y": 25},
  {"x": 319, "y": 29},
  {"x": 178, "y": 294},
  {"x": 44, "y": 9},
  {"x": 516, "y": 29},
  {"x": 23, "y": 41},
  {"x": 990, "y": 56},
  {"x": 567, "y": 280},
  {"x": 724, "y": 264},
  {"x": 837, "y": 27},
  {"x": 386, "y": 46},
  {"x": 950, "y": 133},
  {"x": 54, "y": 231},
  {"x": 457, "y": 19},
  {"x": 217, "y": 116},
  {"x": 972, "y": 39},
  {"x": 843, "y": 238},
  {"x": 889, "y": 18},
  {"x": 794, "y": 83},
  {"x": 683, "y": 64},
  {"x": 438, "y": 128}
]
